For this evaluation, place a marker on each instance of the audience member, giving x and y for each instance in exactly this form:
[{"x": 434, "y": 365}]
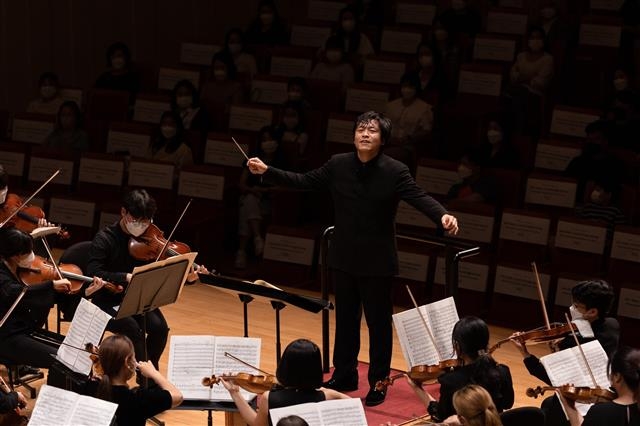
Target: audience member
[
  {"x": 533, "y": 68},
  {"x": 496, "y": 149},
  {"x": 221, "y": 90},
  {"x": 49, "y": 100},
  {"x": 255, "y": 198},
  {"x": 119, "y": 74},
  {"x": 297, "y": 91},
  {"x": 185, "y": 101},
  {"x": 292, "y": 128},
  {"x": 595, "y": 162},
  {"x": 354, "y": 43},
  {"x": 169, "y": 142},
  {"x": 447, "y": 49},
  {"x": 234, "y": 45},
  {"x": 600, "y": 206},
  {"x": 267, "y": 28},
  {"x": 555, "y": 29},
  {"x": 333, "y": 66},
  {"x": 433, "y": 87},
  {"x": 68, "y": 134},
  {"x": 473, "y": 186}
]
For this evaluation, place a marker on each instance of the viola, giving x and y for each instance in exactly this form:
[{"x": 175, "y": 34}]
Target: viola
[
  {"x": 576, "y": 393},
  {"x": 27, "y": 217},
  {"x": 42, "y": 270},
  {"x": 420, "y": 373},
  {"x": 556, "y": 331},
  {"x": 147, "y": 246},
  {"x": 250, "y": 382}
]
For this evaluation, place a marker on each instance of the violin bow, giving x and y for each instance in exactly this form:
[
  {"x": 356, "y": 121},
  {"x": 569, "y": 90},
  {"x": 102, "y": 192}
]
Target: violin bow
[
  {"x": 408, "y": 422},
  {"x": 166, "y": 244},
  {"x": 584, "y": 357},
  {"x": 13, "y": 306},
  {"x": 424, "y": 322},
  {"x": 228, "y": 355},
  {"x": 541, "y": 295},
  {"x": 25, "y": 202}
]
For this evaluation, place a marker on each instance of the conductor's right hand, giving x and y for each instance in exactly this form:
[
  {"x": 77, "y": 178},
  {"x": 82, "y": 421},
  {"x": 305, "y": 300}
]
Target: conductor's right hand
[{"x": 256, "y": 166}]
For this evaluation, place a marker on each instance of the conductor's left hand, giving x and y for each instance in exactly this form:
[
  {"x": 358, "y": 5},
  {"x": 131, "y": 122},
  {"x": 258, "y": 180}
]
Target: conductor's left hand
[{"x": 450, "y": 224}]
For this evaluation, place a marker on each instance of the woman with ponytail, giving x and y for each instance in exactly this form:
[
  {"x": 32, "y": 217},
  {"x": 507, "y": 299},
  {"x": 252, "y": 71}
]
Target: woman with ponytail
[
  {"x": 470, "y": 340},
  {"x": 475, "y": 407},
  {"x": 135, "y": 406}
]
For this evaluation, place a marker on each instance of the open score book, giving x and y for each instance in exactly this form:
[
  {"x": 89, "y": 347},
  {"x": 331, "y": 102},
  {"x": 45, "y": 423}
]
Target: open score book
[
  {"x": 56, "y": 406},
  {"x": 417, "y": 346},
  {"x": 191, "y": 358}
]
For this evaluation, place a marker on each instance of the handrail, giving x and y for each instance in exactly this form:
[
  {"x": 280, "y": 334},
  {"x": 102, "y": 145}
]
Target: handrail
[{"x": 455, "y": 251}]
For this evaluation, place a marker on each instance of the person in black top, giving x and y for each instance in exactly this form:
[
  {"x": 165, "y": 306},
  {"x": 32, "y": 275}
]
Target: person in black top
[
  {"x": 624, "y": 374},
  {"x": 365, "y": 186},
  {"x": 300, "y": 377},
  {"x": 470, "y": 340},
  {"x": 267, "y": 28},
  {"x": 135, "y": 406},
  {"x": 119, "y": 74},
  {"x": 109, "y": 259},
  {"x": 30, "y": 314}
]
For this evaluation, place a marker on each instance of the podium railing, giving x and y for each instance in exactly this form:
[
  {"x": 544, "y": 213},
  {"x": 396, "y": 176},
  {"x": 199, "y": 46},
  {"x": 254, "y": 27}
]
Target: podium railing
[{"x": 455, "y": 250}]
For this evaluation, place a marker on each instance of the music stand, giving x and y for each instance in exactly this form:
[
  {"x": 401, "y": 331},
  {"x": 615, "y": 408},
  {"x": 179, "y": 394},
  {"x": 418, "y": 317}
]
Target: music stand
[
  {"x": 152, "y": 286},
  {"x": 278, "y": 298}
]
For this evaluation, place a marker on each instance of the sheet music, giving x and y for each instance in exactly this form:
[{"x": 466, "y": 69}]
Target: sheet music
[
  {"x": 415, "y": 341},
  {"x": 346, "y": 412},
  {"x": 87, "y": 326},
  {"x": 568, "y": 367},
  {"x": 59, "y": 406},
  {"x": 191, "y": 358}
]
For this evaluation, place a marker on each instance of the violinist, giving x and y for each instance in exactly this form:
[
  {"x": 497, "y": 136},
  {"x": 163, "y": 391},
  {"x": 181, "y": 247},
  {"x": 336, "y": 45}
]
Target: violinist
[
  {"x": 16, "y": 341},
  {"x": 592, "y": 301},
  {"x": 470, "y": 340},
  {"x": 300, "y": 375},
  {"x": 624, "y": 374},
  {"x": 135, "y": 406},
  {"x": 109, "y": 259},
  {"x": 5, "y": 208}
]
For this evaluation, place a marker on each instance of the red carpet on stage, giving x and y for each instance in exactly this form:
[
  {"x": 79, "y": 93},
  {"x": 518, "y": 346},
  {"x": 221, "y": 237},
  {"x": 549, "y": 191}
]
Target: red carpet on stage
[{"x": 401, "y": 404}]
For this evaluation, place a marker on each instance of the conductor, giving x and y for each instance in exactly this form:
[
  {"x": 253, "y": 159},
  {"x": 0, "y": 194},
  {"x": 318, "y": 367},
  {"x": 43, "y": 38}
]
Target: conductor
[{"x": 366, "y": 186}]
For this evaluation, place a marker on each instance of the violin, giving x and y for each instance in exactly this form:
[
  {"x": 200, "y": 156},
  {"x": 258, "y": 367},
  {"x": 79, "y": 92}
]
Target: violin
[
  {"x": 147, "y": 246},
  {"x": 582, "y": 394},
  {"x": 420, "y": 373},
  {"x": 250, "y": 382},
  {"x": 42, "y": 270},
  {"x": 556, "y": 331},
  {"x": 27, "y": 217},
  {"x": 96, "y": 368}
]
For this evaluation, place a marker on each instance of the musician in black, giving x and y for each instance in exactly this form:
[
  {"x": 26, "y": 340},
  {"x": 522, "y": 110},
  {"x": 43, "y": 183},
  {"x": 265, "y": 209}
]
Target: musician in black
[{"x": 366, "y": 187}]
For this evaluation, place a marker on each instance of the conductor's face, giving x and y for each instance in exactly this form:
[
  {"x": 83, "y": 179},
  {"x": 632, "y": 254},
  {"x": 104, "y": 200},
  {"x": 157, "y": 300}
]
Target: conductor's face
[{"x": 367, "y": 138}]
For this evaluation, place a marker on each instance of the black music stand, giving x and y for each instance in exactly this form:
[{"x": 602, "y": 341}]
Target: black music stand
[
  {"x": 278, "y": 298},
  {"x": 152, "y": 286}
]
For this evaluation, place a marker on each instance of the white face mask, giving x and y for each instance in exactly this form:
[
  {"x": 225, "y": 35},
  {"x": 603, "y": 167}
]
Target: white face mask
[
  {"x": 620, "y": 84},
  {"x": 348, "y": 25},
  {"x": 494, "y": 136},
  {"x": 408, "y": 92},
  {"x": 117, "y": 63},
  {"x": 536, "y": 45},
  {"x": 266, "y": 18},
  {"x": 294, "y": 96},
  {"x": 290, "y": 122},
  {"x": 269, "y": 146},
  {"x": 235, "y": 48},
  {"x": 464, "y": 171},
  {"x": 26, "y": 262},
  {"x": 220, "y": 74},
  {"x": 596, "y": 196},
  {"x": 48, "y": 92},
  {"x": 575, "y": 314},
  {"x": 183, "y": 102},
  {"x": 425, "y": 60},
  {"x": 334, "y": 56},
  {"x": 168, "y": 131},
  {"x": 136, "y": 228},
  {"x": 3, "y": 195},
  {"x": 548, "y": 13}
]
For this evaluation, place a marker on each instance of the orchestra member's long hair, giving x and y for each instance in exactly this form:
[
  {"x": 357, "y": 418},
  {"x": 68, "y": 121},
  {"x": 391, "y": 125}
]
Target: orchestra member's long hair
[
  {"x": 474, "y": 404},
  {"x": 116, "y": 353}
]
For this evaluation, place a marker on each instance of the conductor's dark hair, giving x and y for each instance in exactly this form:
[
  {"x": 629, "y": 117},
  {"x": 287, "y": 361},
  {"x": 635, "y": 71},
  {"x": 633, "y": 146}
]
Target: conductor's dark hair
[
  {"x": 4, "y": 178},
  {"x": 383, "y": 122},
  {"x": 14, "y": 242},
  {"x": 139, "y": 204},
  {"x": 300, "y": 366},
  {"x": 292, "y": 420},
  {"x": 118, "y": 46},
  {"x": 596, "y": 294},
  {"x": 626, "y": 362}
]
